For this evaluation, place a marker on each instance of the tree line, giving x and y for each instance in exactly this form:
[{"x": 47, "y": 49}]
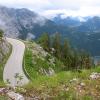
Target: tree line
[
  {"x": 62, "y": 50},
  {"x": 1, "y": 34}
]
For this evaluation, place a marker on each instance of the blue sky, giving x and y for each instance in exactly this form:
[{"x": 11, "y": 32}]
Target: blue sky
[{"x": 50, "y": 8}]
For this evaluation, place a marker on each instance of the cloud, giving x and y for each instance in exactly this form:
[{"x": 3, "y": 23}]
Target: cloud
[
  {"x": 30, "y": 4},
  {"x": 50, "y": 8},
  {"x": 83, "y": 11}
]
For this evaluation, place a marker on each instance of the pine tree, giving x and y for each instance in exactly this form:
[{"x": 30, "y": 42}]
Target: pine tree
[
  {"x": 86, "y": 61},
  {"x": 66, "y": 54},
  {"x": 57, "y": 45},
  {"x": 65, "y": 49},
  {"x": 44, "y": 40},
  {"x": 1, "y": 34}
]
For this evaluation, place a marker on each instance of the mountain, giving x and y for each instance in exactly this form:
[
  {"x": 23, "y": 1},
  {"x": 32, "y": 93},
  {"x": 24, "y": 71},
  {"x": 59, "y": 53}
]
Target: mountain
[
  {"x": 82, "y": 32},
  {"x": 87, "y": 36},
  {"x": 23, "y": 23},
  {"x": 91, "y": 25},
  {"x": 68, "y": 21}
]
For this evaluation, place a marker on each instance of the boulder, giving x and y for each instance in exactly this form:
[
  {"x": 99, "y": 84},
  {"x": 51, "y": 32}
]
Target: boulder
[{"x": 15, "y": 96}]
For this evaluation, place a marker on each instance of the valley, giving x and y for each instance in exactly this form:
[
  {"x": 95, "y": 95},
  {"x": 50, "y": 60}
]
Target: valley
[{"x": 48, "y": 59}]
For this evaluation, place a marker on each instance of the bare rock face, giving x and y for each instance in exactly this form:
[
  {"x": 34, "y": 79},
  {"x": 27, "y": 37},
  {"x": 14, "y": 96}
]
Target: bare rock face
[
  {"x": 22, "y": 23},
  {"x": 15, "y": 96},
  {"x": 4, "y": 49},
  {"x": 3, "y": 91},
  {"x": 15, "y": 21},
  {"x": 94, "y": 75},
  {"x": 12, "y": 95}
]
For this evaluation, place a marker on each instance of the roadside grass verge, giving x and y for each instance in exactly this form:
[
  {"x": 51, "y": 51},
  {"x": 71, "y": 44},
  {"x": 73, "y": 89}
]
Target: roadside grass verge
[
  {"x": 29, "y": 69},
  {"x": 24, "y": 65}
]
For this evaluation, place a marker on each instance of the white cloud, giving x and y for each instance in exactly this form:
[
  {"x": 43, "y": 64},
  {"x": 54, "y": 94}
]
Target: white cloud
[
  {"x": 83, "y": 11},
  {"x": 50, "y": 8},
  {"x": 30, "y": 4}
]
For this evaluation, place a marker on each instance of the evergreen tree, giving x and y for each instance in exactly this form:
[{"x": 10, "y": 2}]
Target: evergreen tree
[
  {"x": 1, "y": 33},
  {"x": 86, "y": 61},
  {"x": 75, "y": 61},
  {"x": 66, "y": 54},
  {"x": 72, "y": 59},
  {"x": 44, "y": 41},
  {"x": 65, "y": 49},
  {"x": 57, "y": 45}
]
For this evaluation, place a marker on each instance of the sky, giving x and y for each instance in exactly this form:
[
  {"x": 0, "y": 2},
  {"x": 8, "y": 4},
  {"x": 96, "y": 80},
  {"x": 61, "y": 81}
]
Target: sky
[{"x": 50, "y": 8}]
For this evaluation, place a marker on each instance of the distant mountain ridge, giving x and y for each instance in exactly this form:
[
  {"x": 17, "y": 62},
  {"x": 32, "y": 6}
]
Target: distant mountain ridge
[
  {"x": 22, "y": 23},
  {"x": 82, "y": 32},
  {"x": 68, "y": 21}
]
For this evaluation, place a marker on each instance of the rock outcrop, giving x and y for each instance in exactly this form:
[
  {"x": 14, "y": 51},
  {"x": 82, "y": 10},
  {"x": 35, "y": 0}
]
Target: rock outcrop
[{"x": 4, "y": 49}]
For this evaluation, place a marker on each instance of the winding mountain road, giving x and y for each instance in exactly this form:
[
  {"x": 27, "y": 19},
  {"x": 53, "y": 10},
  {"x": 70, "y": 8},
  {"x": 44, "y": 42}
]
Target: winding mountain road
[{"x": 13, "y": 72}]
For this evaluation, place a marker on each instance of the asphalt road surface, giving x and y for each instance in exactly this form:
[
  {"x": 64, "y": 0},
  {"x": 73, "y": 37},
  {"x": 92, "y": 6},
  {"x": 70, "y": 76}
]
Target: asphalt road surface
[{"x": 13, "y": 73}]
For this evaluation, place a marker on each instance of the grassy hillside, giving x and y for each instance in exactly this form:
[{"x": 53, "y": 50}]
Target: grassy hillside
[
  {"x": 60, "y": 85},
  {"x": 66, "y": 86},
  {"x": 38, "y": 62}
]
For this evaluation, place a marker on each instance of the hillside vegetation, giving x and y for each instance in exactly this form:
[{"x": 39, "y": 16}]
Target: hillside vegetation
[
  {"x": 65, "y": 86},
  {"x": 5, "y": 50},
  {"x": 60, "y": 85},
  {"x": 38, "y": 62},
  {"x": 58, "y": 72},
  {"x": 51, "y": 80}
]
